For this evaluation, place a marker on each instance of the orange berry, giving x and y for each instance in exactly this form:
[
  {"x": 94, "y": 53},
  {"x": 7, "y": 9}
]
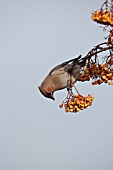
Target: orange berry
[
  {"x": 108, "y": 10},
  {"x": 61, "y": 105},
  {"x": 110, "y": 83}
]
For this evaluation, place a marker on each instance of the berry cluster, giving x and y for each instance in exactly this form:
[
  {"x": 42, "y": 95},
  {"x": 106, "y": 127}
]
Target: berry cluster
[
  {"x": 77, "y": 103},
  {"x": 100, "y": 73},
  {"x": 103, "y": 17}
]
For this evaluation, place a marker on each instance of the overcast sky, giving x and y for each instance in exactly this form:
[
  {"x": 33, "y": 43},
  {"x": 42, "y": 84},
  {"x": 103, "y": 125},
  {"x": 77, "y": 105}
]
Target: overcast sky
[{"x": 35, "y": 134}]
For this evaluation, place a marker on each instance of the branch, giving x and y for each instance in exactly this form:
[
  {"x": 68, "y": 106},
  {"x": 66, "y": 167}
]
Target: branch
[{"x": 96, "y": 50}]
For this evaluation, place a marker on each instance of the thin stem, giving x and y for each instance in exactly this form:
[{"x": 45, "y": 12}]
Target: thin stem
[{"x": 76, "y": 90}]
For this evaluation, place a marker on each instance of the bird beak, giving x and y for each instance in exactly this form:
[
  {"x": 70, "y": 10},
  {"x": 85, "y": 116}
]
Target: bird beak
[{"x": 52, "y": 97}]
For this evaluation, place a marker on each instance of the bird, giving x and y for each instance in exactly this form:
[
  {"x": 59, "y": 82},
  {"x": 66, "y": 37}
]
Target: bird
[{"x": 60, "y": 77}]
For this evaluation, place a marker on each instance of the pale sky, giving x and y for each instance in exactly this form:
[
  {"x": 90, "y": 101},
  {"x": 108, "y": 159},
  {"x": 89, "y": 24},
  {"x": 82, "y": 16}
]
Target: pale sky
[{"x": 35, "y": 134}]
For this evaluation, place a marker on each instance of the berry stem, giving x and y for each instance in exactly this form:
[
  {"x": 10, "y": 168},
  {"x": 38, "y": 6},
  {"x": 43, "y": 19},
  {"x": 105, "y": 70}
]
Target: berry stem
[{"x": 76, "y": 90}]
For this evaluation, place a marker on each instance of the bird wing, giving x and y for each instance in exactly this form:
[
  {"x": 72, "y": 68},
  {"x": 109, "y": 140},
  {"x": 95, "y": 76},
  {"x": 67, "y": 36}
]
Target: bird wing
[
  {"x": 76, "y": 72},
  {"x": 65, "y": 66},
  {"x": 61, "y": 70}
]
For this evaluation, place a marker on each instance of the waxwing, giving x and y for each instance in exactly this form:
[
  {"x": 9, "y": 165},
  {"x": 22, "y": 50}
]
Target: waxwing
[{"x": 62, "y": 76}]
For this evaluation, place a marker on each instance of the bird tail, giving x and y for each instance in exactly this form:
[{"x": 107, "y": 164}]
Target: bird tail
[{"x": 74, "y": 61}]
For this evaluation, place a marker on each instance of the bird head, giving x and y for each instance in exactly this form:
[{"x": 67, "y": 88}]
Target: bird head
[{"x": 48, "y": 92}]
